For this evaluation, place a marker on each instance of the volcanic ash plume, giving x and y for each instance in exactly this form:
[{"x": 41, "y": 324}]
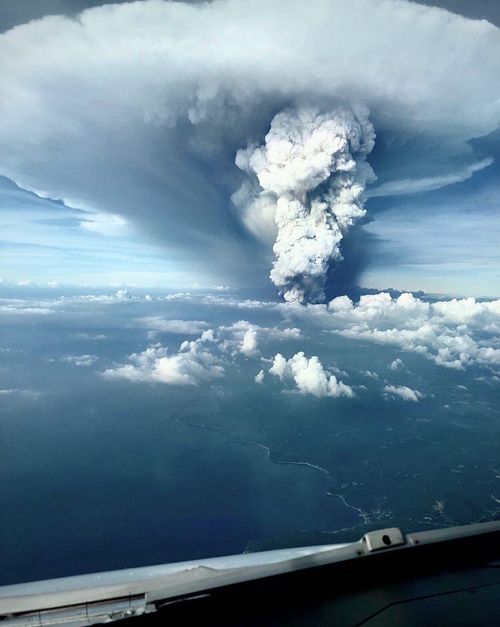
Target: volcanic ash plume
[{"x": 309, "y": 175}]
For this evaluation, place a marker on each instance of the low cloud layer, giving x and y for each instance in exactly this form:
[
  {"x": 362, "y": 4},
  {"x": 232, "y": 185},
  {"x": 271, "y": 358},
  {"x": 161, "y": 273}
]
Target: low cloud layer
[
  {"x": 453, "y": 333},
  {"x": 247, "y": 336},
  {"x": 196, "y": 361},
  {"x": 157, "y": 324},
  {"x": 81, "y": 360},
  {"x": 139, "y": 110},
  {"x": 302, "y": 346}
]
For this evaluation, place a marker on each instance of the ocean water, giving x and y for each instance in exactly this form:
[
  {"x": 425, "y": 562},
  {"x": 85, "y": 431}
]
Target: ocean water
[{"x": 99, "y": 473}]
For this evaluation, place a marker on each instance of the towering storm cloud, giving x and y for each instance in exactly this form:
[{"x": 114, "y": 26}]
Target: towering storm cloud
[
  {"x": 139, "y": 110},
  {"x": 310, "y": 173}
]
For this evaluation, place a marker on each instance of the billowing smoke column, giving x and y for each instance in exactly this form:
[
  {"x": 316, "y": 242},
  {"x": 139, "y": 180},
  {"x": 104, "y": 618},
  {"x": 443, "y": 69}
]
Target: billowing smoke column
[{"x": 309, "y": 175}]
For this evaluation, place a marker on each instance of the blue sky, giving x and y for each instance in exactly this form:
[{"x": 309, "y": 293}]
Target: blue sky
[
  {"x": 444, "y": 241},
  {"x": 45, "y": 242}
]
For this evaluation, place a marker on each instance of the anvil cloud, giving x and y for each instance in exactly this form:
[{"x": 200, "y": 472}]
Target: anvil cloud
[{"x": 139, "y": 110}]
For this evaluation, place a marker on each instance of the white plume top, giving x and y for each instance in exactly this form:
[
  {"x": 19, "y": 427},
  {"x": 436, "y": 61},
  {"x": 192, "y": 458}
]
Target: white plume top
[{"x": 311, "y": 173}]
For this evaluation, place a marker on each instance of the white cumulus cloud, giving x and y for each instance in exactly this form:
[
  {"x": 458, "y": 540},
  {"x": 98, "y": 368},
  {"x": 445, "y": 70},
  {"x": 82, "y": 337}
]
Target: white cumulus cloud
[
  {"x": 249, "y": 342},
  {"x": 309, "y": 376},
  {"x": 455, "y": 333},
  {"x": 193, "y": 364},
  {"x": 244, "y": 336},
  {"x": 259, "y": 377},
  {"x": 396, "y": 364},
  {"x": 403, "y": 392}
]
